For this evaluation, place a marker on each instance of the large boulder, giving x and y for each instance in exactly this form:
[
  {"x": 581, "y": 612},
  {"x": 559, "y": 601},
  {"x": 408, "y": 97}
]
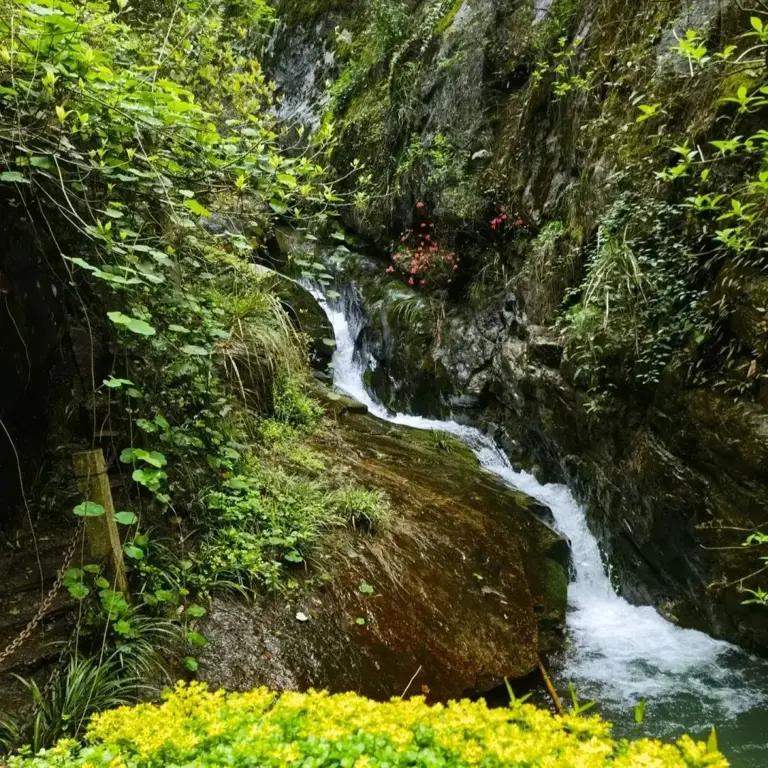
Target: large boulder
[{"x": 463, "y": 587}]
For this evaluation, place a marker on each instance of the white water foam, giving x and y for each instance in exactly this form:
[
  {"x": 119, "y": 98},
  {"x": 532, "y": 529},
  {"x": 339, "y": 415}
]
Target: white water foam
[{"x": 619, "y": 652}]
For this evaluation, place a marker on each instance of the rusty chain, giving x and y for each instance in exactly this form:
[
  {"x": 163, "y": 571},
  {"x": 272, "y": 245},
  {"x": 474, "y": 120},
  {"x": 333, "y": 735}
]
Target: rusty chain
[{"x": 25, "y": 634}]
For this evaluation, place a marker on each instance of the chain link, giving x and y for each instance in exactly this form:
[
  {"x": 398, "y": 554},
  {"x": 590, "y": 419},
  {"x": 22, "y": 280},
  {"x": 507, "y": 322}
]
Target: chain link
[{"x": 25, "y": 634}]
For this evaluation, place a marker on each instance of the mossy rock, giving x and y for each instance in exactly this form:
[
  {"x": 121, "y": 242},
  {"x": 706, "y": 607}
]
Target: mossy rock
[{"x": 459, "y": 584}]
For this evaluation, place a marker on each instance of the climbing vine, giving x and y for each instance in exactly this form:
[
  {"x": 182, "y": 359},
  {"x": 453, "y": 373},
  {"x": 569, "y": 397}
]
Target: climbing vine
[{"x": 141, "y": 148}]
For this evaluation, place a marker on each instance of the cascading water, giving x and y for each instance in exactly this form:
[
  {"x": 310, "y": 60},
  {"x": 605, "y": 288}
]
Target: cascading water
[{"x": 618, "y": 653}]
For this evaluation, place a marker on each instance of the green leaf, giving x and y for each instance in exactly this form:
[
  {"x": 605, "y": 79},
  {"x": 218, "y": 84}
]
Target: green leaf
[
  {"x": 195, "y": 349},
  {"x": 113, "y": 603},
  {"x": 122, "y": 627},
  {"x": 41, "y": 161},
  {"x": 195, "y": 638},
  {"x": 294, "y": 557},
  {"x": 149, "y": 478},
  {"x": 89, "y": 509},
  {"x": 366, "y": 589},
  {"x": 78, "y": 590},
  {"x": 132, "y": 324},
  {"x": 155, "y": 458},
  {"x": 72, "y": 575},
  {"x": 135, "y": 553},
  {"x": 197, "y": 208},
  {"x": 278, "y": 207},
  {"x": 287, "y": 180},
  {"x": 191, "y": 663},
  {"x": 13, "y": 176},
  {"x": 360, "y": 621},
  {"x": 114, "y": 383},
  {"x": 712, "y": 745},
  {"x": 196, "y": 611},
  {"x": 126, "y": 518}
]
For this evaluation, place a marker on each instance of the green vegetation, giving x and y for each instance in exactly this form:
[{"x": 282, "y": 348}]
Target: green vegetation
[
  {"x": 638, "y": 301},
  {"x": 139, "y": 146},
  {"x": 196, "y": 727},
  {"x": 632, "y": 147}
]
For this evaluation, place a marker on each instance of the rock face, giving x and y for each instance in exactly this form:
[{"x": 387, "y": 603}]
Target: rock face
[
  {"x": 462, "y": 588},
  {"x": 671, "y": 489},
  {"x": 471, "y": 107}
]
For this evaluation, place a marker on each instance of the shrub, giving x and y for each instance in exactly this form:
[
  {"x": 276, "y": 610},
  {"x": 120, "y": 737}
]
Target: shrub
[
  {"x": 420, "y": 258},
  {"x": 194, "y": 726},
  {"x": 293, "y": 406}
]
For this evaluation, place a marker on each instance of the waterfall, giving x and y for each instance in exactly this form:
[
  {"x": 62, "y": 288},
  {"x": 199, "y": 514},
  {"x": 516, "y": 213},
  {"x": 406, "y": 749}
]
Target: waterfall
[{"x": 618, "y": 652}]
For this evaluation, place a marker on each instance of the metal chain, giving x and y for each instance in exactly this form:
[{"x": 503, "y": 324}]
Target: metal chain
[{"x": 46, "y": 604}]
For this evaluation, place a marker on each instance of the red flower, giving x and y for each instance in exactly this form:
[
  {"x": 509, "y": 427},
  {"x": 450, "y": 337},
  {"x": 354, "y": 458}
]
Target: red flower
[
  {"x": 410, "y": 281},
  {"x": 419, "y": 204},
  {"x": 390, "y": 269}
]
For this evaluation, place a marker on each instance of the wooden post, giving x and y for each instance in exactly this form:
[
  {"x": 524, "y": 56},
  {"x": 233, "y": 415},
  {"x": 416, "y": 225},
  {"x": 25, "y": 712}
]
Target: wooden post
[{"x": 101, "y": 532}]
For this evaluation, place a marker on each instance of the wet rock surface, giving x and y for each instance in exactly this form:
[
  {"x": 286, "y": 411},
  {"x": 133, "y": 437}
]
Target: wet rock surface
[
  {"x": 672, "y": 487},
  {"x": 462, "y": 588}
]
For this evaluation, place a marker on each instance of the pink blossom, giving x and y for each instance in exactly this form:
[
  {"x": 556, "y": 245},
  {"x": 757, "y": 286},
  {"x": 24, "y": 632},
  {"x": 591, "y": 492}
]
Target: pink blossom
[
  {"x": 410, "y": 281},
  {"x": 419, "y": 204},
  {"x": 390, "y": 269}
]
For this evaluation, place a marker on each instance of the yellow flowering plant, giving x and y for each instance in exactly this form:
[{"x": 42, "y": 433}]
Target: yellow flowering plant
[{"x": 196, "y": 727}]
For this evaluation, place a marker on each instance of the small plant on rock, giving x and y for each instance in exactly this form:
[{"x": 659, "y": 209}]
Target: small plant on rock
[{"x": 420, "y": 258}]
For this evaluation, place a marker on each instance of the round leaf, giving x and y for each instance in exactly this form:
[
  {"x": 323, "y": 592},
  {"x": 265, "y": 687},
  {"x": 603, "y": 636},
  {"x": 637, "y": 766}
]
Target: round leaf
[
  {"x": 134, "y": 552},
  {"x": 89, "y": 509},
  {"x": 196, "y": 638},
  {"x": 126, "y": 518},
  {"x": 78, "y": 590}
]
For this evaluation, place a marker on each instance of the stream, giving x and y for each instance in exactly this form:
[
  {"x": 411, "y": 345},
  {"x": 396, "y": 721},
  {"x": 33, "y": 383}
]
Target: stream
[{"x": 617, "y": 653}]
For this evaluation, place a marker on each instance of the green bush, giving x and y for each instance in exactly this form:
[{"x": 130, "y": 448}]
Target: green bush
[
  {"x": 261, "y": 728},
  {"x": 293, "y": 406}
]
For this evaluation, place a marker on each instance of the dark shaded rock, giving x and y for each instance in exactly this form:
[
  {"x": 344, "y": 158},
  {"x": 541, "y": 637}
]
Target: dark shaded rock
[
  {"x": 545, "y": 346},
  {"x": 672, "y": 489},
  {"x": 468, "y": 584},
  {"x": 339, "y": 405}
]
